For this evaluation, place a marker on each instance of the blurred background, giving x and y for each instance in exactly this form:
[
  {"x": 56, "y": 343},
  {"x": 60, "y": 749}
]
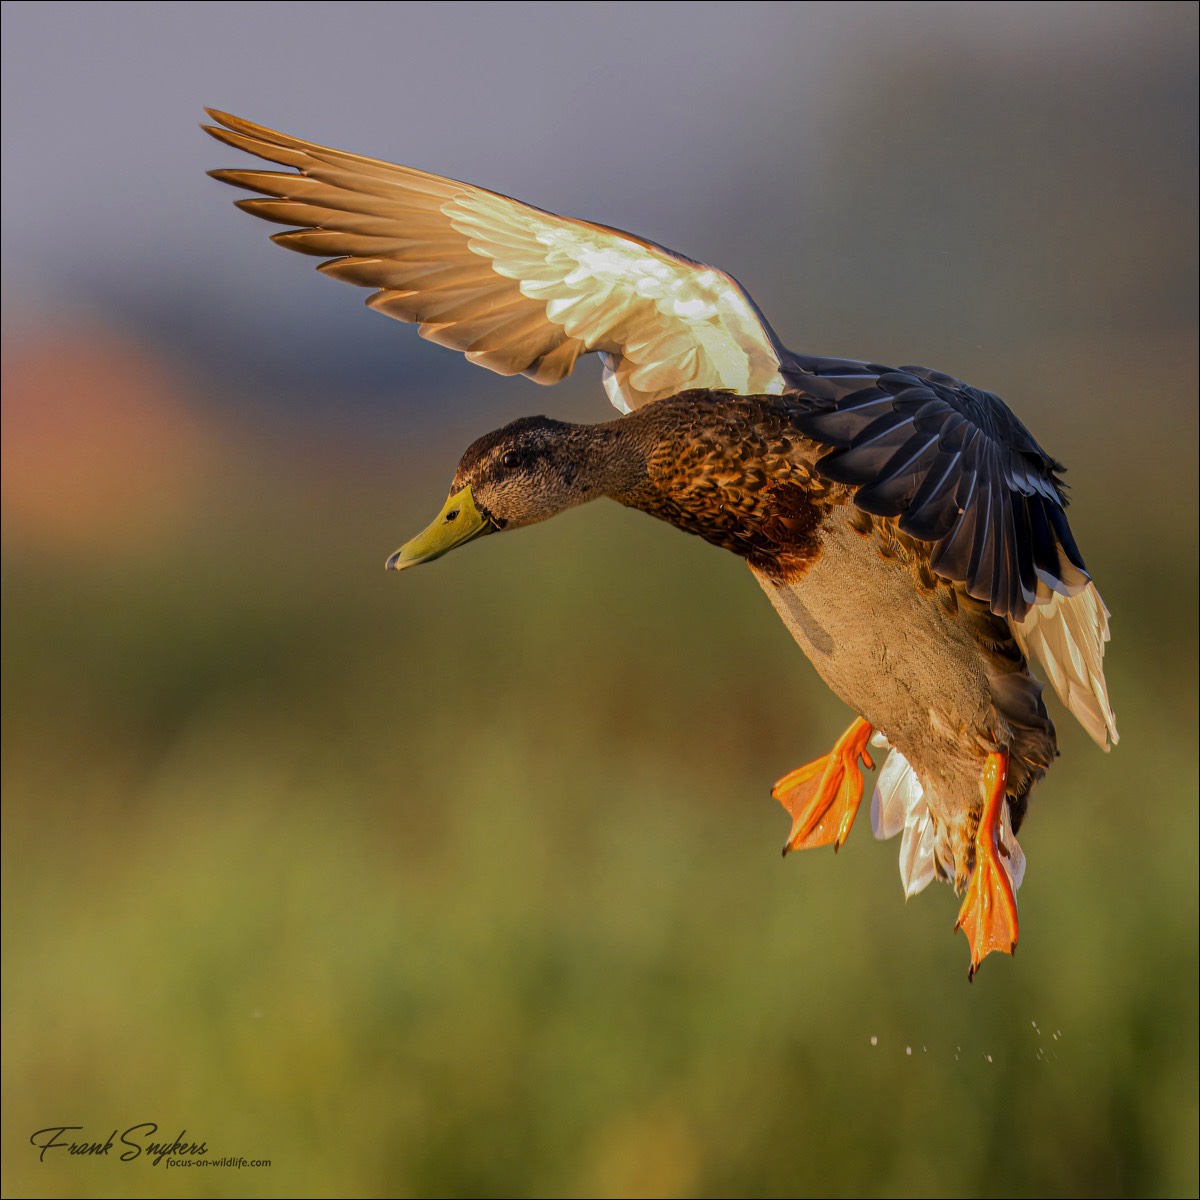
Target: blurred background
[{"x": 467, "y": 882}]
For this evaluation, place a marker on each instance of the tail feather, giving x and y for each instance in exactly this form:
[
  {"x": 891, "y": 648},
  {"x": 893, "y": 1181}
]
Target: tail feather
[
  {"x": 918, "y": 857},
  {"x": 891, "y": 799},
  {"x": 899, "y": 803}
]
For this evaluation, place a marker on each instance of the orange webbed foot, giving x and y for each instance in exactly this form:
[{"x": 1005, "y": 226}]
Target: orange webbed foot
[
  {"x": 989, "y": 910},
  {"x": 823, "y": 796}
]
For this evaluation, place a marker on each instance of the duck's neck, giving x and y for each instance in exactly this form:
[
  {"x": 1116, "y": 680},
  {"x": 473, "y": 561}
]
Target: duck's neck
[
  {"x": 648, "y": 439},
  {"x": 617, "y": 457},
  {"x": 643, "y": 457}
]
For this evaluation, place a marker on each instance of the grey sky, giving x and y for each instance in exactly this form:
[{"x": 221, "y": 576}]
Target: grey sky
[{"x": 808, "y": 148}]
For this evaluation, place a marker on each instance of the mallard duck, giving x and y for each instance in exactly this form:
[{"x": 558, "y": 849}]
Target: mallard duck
[{"x": 908, "y": 529}]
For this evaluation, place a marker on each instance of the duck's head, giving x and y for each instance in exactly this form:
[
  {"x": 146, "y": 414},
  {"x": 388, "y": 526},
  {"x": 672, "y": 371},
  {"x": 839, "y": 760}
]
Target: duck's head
[{"x": 518, "y": 475}]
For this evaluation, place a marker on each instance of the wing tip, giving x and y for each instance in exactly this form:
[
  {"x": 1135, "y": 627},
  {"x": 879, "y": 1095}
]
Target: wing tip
[
  {"x": 236, "y": 124},
  {"x": 1067, "y": 634},
  {"x": 225, "y": 123}
]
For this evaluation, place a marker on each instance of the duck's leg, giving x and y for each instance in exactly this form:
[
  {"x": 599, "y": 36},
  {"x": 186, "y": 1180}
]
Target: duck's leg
[
  {"x": 989, "y": 909},
  {"x": 823, "y": 796}
]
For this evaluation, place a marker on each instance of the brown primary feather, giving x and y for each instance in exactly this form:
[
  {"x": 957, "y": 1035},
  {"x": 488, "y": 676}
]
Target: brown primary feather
[{"x": 383, "y": 227}]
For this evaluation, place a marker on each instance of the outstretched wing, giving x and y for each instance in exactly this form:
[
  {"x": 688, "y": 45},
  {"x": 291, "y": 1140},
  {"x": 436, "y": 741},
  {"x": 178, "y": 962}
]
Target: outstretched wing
[
  {"x": 957, "y": 469},
  {"x": 516, "y": 289}
]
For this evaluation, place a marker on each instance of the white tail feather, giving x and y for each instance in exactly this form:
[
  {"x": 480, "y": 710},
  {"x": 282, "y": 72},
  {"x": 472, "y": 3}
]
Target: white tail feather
[
  {"x": 889, "y": 801},
  {"x": 898, "y": 803},
  {"x": 1066, "y": 634},
  {"x": 1011, "y": 853},
  {"x": 917, "y": 857}
]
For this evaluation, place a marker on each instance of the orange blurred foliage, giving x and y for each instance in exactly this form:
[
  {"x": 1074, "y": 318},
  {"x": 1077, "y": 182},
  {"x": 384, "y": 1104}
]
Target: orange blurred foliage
[{"x": 102, "y": 451}]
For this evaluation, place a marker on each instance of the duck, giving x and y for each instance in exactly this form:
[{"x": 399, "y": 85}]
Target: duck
[{"x": 907, "y": 528}]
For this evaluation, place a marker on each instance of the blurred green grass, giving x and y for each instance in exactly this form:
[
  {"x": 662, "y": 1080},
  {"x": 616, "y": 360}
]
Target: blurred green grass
[{"x": 467, "y": 882}]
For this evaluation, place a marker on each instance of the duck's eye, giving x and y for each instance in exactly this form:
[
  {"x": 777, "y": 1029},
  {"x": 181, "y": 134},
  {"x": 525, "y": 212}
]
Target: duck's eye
[{"x": 510, "y": 460}]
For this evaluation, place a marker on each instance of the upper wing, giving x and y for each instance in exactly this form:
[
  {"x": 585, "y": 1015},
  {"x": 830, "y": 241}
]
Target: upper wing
[
  {"x": 959, "y": 470},
  {"x": 514, "y": 288}
]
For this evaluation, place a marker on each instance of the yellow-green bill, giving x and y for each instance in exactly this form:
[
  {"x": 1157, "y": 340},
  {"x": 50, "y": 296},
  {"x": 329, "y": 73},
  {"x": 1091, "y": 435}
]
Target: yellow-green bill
[{"x": 458, "y": 522}]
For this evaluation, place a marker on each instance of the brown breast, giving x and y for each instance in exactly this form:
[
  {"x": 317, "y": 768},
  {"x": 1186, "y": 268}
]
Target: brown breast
[{"x": 735, "y": 471}]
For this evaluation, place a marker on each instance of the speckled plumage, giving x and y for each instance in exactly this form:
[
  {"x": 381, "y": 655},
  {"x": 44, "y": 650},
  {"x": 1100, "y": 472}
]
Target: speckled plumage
[{"x": 736, "y": 471}]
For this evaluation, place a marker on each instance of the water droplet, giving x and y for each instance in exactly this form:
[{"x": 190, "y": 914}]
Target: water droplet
[
  {"x": 988, "y": 1057},
  {"x": 908, "y": 1051},
  {"x": 874, "y": 1040}
]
